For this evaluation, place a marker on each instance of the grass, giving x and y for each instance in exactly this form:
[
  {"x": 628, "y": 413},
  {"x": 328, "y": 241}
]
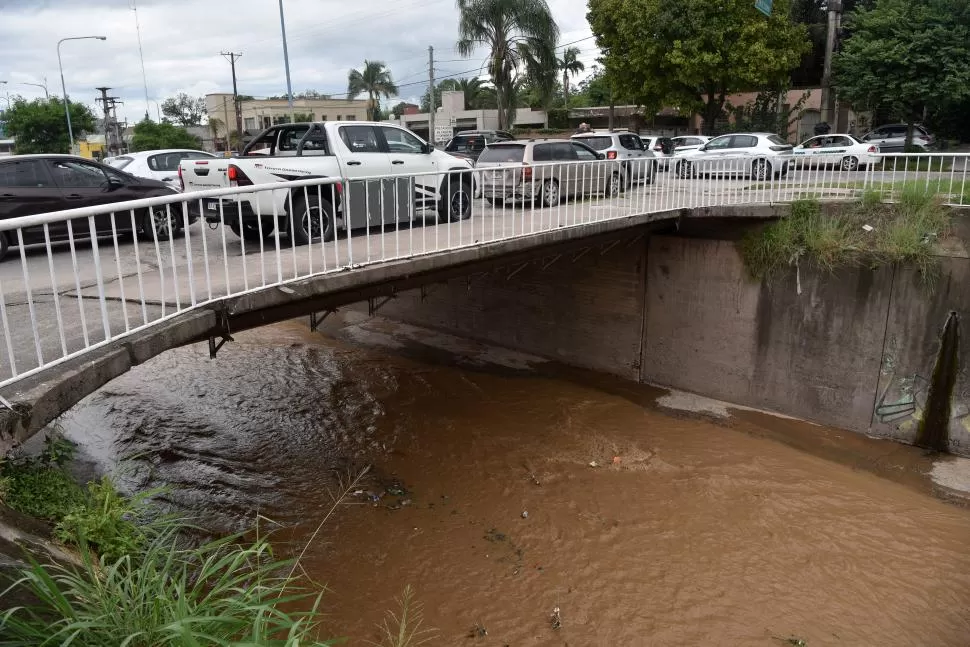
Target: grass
[
  {"x": 901, "y": 232},
  {"x": 403, "y": 628},
  {"x": 40, "y": 486}
]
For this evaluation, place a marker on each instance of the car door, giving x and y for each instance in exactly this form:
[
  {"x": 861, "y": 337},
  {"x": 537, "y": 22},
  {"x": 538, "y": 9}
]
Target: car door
[
  {"x": 709, "y": 157},
  {"x": 568, "y": 170},
  {"x": 85, "y": 184},
  {"x": 632, "y": 149},
  {"x": 809, "y": 153},
  {"x": 363, "y": 156},
  {"x": 881, "y": 138},
  {"x": 591, "y": 173},
  {"x": 741, "y": 151},
  {"x": 26, "y": 189},
  {"x": 407, "y": 155},
  {"x": 834, "y": 148}
]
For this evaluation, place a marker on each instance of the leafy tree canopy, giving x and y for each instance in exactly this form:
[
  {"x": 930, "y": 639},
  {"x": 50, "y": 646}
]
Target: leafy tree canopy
[
  {"x": 149, "y": 135},
  {"x": 40, "y": 126},
  {"x": 184, "y": 110},
  {"x": 694, "y": 53},
  {"x": 903, "y": 55}
]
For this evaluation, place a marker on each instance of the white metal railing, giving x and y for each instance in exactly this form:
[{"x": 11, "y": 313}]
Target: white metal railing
[{"x": 74, "y": 280}]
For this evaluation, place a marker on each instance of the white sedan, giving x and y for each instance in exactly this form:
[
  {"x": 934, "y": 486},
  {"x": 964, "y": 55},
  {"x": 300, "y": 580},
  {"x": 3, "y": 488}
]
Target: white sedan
[
  {"x": 156, "y": 165},
  {"x": 844, "y": 151}
]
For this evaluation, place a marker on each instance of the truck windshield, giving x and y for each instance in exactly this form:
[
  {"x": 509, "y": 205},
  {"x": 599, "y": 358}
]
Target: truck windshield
[{"x": 597, "y": 143}]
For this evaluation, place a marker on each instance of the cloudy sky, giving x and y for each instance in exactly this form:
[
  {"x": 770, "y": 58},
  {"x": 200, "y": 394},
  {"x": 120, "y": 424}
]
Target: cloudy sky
[{"x": 181, "y": 40}]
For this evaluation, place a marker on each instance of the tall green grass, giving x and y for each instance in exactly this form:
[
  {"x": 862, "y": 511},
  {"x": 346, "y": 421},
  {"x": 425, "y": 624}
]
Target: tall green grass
[{"x": 901, "y": 232}]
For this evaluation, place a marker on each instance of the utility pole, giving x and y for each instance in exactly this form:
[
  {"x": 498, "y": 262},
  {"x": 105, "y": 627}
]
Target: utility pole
[
  {"x": 105, "y": 102},
  {"x": 286, "y": 64},
  {"x": 232, "y": 57},
  {"x": 225, "y": 110},
  {"x": 431, "y": 101},
  {"x": 828, "y": 96}
]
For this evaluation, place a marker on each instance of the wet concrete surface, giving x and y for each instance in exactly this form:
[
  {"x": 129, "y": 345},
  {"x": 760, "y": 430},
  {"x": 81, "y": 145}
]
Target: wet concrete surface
[{"x": 652, "y": 518}]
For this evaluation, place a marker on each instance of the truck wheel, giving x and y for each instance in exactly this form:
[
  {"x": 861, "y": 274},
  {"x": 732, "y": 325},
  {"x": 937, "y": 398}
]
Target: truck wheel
[
  {"x": 161, "y": 223},
  {"x": 457, "y": 204},
  {"x": 495, "y": 202},
  {"x": 250, "y": 232},
  {"x": 312, "y": 220},
  {"x": 4, "y": 245}
]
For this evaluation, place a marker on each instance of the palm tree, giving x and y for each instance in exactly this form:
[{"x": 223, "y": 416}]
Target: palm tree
[
  {"x": 504, "y": 27},
  {"x": 214, "y": 125},
  {"x": 375, "y": 80},
  {"x": 473, "y": 92},
  {"x": 569, "y": 65}
]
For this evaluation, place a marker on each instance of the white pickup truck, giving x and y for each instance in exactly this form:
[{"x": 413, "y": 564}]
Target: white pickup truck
[{"x": 360, "y": 154}]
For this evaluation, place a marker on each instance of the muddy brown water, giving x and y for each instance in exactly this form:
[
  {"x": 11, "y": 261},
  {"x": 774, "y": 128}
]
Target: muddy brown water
[{"x": 750, "y": 531}]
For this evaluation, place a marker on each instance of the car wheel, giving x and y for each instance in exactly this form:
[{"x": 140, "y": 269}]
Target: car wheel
[
  {"x": 685, "y": 170},
  {"x": 651, "y": 173},
  {"x": 458, "y": 203},
  {"x": 312, "y": 220},
  {"x": 250, "y": 232},
  {"x": 160, "y": 223},
  {"x": 761, "y": 170},
  {"x": 850, "y": 163},
  {"x": 4, "y": 245},
  {"x": 614, "y": 185},
  {"x": 550, "y": 193},
  {"x": 495, "y": 202}
]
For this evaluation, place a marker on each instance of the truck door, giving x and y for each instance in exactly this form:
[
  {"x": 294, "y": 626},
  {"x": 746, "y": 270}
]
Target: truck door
[{"x": 364, "y": 163}]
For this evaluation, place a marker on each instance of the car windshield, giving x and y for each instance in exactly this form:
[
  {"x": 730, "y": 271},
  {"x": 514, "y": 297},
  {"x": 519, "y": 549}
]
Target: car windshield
[
  {"x": 597, "y": 143},
  {"x": 119, "y": 162},
  {"x": 502, "y": 153},
  {"x": 775, "y": 139}
]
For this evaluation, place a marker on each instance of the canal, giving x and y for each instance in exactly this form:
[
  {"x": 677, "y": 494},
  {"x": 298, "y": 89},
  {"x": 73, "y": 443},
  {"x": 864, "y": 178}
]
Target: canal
[{"x": 501, "y": 487}]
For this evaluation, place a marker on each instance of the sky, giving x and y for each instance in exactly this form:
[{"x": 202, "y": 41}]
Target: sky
[{"x": 182, "y": 41}]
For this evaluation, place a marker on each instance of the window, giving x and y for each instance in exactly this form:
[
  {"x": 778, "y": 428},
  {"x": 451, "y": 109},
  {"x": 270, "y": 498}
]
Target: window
[
  {"x": 563, "y": 152},
  {"x": 349, "y": 118},
  {"x": 338, "y": 117},
  {"x": 267, "y": 122},
  {"x": 165, "y": 161},
  {"x": 691, "y": 141},
  {"x": 196, "y": 155},
  {"x": 583, "y": 153},
  {"x": 324, "y": 118},
  {"x": 360, "y": 139},
  {"x": 401, "y": 141},
  {"x": 28, "y": 174},
  {"x": 249, "y": 123},
  {"x": 744, "y": 141},
  {"x": 316, "y": 143},
  {"x": 776, "y": 140},
  {"x": 78, "y": 175},
  {"x": 542, "y": 153},
  {"x": 718, "y": 143},
  {"x": 119, "y": 162},
  {"x": 473, "y": 144},
  {"x": 290, "y": 139},
  {"x": 502, "y": 153},
  {"x": 597, "y": 143},
  {"x": 631, "y": 142}
]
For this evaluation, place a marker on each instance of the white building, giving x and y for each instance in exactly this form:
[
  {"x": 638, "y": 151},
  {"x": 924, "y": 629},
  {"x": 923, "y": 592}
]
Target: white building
[{"x": 452, "y": 117}]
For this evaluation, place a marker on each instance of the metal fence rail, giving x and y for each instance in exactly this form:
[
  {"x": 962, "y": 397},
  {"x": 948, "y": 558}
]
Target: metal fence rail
[{"x": 75, "y": 280}]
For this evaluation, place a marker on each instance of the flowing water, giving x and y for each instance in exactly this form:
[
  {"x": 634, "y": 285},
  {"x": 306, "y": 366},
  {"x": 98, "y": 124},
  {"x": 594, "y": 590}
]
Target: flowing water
[{"x": 503, "y": 488}]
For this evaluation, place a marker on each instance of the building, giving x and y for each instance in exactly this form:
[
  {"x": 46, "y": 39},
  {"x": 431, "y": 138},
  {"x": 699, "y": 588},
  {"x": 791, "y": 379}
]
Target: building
[
  {"x": 258, "y": 114},
  {"x": 452, "y": 117}
]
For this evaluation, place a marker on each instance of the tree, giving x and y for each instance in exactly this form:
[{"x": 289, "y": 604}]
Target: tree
[
  {"x": 509, "y": 29},
  {"x": 214, "y": 125},
  {"x": 398, "y": 109},
  {"x": 302, "y": 117},
  {"x": 39, "y": 126},
  {"x": 569, "y": 65},
  {"x": 375, "y": 81},
  {"x": 149, "y": 135},
  {"x": 694, "y": 53},
  {"x": 906, "y": 55},
  {"x": 184, "y": 110},
  {"x": 311, "y": 94}
]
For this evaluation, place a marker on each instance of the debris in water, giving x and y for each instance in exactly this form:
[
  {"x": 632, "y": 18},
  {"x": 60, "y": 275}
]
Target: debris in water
[
  {"x": 616, "y": 460},
  {"x": 868, "y": 227},
  {"x": 478, "y": 631},
  {"x": 493, "y": 534},
  {"x": 556, "y": 619},
  {"x": 525, "y": 514},
  {"x": 594, "y": 464},
  {"x": 535, "y": 479}
]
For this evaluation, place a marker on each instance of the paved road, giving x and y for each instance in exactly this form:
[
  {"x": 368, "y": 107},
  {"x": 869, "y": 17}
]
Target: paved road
[{"x": 144, "y": 281}]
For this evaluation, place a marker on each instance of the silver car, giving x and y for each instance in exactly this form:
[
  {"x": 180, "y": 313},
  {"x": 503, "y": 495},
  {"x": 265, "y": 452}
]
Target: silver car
[
  {"x": 892, "y": 138},
  {"x": 544, "y": 172},
  {"x": 758, "y": 155},
  {"x": 625, "y": 147}
]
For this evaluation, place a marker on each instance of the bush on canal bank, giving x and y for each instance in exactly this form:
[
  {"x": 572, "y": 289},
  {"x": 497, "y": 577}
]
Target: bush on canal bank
[
  {"x": 137, "y": 579},
  {"x": 868, "y": 233}
]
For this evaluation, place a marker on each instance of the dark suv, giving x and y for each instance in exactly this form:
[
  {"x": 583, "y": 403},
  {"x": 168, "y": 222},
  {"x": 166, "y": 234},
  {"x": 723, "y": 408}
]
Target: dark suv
[{"x": 470, "y": 143}]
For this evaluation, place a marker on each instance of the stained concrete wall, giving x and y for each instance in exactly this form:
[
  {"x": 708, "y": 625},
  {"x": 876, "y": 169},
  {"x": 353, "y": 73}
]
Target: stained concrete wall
[{"x": 853, "y": 349}]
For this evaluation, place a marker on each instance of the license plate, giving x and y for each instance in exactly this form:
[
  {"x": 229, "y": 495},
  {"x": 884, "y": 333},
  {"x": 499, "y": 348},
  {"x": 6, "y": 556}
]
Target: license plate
[{"x": 212, "y": 206}]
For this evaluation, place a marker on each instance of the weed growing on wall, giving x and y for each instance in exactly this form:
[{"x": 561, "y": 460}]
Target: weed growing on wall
[{"x": 868, "y": 233}]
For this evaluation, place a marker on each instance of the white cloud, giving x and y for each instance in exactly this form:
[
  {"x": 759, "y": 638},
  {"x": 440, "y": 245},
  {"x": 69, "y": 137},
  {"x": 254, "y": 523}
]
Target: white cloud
[{"x": 181, "y": 40}]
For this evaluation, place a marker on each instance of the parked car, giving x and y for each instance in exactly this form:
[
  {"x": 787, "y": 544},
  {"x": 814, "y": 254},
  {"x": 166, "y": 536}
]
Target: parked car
[
  {"x": 760, "y": 155},
  {"x": 35, "y": 184},
  {"x": 892, "y": 138},
  {"x": 160, "y": 165},
  {"x": 349, "y": 150},
  {"x": 841, "y": 150},
  {"x": 469, "y": 144},
  {"x": 686, "y": 143},
  {"x": 546, "y": 171},
  {"x": 662, "y": 147},
  {"x": 626, "y": 147}
]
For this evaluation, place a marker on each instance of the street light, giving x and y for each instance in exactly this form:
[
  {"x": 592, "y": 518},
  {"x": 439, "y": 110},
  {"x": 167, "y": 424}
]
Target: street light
[
  {"x": 286, "y": 64},
  {"x": 40, "y": 85},
  {"x": 60, "y": 66}
]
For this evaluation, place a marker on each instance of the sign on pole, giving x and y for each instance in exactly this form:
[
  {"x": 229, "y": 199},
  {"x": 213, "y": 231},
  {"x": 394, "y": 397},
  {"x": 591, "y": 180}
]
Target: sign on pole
[{"x": 764, "y": 6}]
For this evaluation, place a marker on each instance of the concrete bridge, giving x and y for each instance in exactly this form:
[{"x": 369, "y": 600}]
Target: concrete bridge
[{"x": 76, "y": 316}]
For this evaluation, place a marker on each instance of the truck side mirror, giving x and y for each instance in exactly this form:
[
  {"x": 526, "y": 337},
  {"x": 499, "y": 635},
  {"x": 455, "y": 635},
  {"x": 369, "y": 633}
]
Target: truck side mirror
[{"x": 427, "y": 149}]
